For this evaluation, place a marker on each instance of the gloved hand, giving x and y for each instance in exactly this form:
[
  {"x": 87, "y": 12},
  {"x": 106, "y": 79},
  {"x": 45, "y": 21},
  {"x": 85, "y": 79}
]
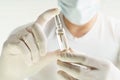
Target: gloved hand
[
  {"x": 78, "y": 66},
  {"x": 24, "y": 52}
]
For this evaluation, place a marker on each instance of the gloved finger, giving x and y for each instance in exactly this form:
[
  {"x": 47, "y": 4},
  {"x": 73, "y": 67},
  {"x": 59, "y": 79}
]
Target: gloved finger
[
  {"x": 73, "y": 69},
  {"x": 46, "y": 16},
  {"x": 12, "y": 44},
  {"x": 29, "y": 40},
  {"x": 40, "y": 38},
  {"x": 80, "y": 58},
  {"x": 69, "y": 68},
  {"x": 14, "y": 49},
  {"x": 64, "y": 76}
]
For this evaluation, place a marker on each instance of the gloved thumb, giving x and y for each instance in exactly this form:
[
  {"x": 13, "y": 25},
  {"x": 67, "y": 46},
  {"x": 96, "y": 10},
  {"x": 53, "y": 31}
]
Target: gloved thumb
[{"x": 46, "y": 16}]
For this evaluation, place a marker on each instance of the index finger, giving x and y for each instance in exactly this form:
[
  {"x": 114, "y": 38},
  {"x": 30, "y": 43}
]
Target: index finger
[{"x": 80, "y": 58}]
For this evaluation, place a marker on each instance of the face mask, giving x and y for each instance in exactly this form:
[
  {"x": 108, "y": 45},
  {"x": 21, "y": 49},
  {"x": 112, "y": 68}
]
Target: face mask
[{"x": 79, "y": 12}]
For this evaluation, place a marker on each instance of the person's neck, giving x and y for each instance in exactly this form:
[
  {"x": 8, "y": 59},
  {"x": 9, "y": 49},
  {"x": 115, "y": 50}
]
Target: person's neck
[{"x": 79, "y": 30}]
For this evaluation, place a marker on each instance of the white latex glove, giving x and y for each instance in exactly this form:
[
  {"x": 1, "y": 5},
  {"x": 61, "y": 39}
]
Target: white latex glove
[
  {"x": 77, "y": 66},
  {"x": 24, "y": 52}
]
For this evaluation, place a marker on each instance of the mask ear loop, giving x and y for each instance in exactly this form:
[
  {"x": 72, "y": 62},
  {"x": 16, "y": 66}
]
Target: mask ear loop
[{"x": 61, "y": 36}]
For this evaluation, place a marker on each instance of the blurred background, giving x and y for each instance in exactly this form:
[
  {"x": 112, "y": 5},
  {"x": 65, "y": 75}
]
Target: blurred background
[{"x": 14, "y": 13}]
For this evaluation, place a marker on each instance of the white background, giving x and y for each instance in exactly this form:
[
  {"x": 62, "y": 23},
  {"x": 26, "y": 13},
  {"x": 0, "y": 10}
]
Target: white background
[{"x": 14, "y": 13}]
